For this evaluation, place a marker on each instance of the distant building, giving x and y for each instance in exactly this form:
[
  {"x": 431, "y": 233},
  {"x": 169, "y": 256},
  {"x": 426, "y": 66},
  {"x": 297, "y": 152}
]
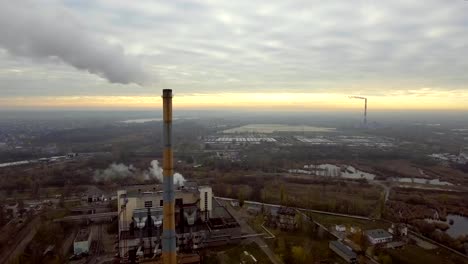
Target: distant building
[
  {"x": 340, "y": 228},
  {"x": 82, "y": 242},
  {"x": 462, "y": 158},
  {"x": 343, "y": 251},
  {"x": 12, "y": 208},
  {"x": 284, "y": 218},
  {"x": 378, "y": 236},
  {"x": 398, "y": 230}
]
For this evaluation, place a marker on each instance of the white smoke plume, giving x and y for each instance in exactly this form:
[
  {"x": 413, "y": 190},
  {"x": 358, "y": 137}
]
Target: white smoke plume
[
  {"x": 120, "y": 171},
  {"x": 48, "y": 30},
  {"x": 115, "y": 172},
  {"x": 157, "y": 172}
]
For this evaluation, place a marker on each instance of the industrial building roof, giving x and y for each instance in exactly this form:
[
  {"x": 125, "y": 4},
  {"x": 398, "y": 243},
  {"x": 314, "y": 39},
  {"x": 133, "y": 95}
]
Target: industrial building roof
[
  {"x": 139, "y": 190},
  {"x": 378, "y": 233}
]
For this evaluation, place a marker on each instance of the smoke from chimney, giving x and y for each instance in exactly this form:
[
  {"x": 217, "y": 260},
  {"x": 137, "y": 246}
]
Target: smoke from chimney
[
  {"x": 36, "y": 30},
  {"x": 116, "y": 172},
  {"x": 157, "y": 172}
]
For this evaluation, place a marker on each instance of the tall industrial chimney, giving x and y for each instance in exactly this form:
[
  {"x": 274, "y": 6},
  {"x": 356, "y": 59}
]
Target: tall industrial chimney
[
  {"x": 365, "y": 108},
  {"x": 365, "y": 112},
  {"x": 169, "y": 234}
]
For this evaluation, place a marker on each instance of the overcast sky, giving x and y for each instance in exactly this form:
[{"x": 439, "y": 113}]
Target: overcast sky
[{"x": 97, "y": 49}]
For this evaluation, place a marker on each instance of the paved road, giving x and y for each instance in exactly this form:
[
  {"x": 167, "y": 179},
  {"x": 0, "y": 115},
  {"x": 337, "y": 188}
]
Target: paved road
[{"x": 259, "y": 241}]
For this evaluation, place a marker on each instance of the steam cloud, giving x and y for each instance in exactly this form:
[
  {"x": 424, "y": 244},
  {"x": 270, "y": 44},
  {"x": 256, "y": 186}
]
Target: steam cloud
[
  {"x": 30, "y": 29},
  {"x": 116, "y": 172}
]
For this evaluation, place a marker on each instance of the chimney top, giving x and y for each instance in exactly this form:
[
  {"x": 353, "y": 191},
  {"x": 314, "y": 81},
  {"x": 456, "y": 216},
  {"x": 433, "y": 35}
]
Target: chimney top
[{"x": 167, "y": 93}]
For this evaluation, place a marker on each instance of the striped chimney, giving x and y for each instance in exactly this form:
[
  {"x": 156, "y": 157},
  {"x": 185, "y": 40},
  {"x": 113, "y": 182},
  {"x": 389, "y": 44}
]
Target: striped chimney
[{"x": 169, "y": 234}]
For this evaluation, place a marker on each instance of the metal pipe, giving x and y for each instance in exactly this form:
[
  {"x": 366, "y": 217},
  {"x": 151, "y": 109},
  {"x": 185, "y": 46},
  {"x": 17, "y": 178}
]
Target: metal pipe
[{"x": 169, "y": 234}]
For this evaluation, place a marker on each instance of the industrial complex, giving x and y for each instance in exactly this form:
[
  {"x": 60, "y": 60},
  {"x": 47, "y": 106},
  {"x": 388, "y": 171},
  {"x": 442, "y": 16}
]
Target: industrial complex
[{"x": 200, "y": 221}]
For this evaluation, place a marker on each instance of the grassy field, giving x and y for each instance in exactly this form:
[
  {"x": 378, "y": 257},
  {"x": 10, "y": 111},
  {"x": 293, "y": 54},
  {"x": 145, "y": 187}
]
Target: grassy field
[{"x": 358, "y": 199}]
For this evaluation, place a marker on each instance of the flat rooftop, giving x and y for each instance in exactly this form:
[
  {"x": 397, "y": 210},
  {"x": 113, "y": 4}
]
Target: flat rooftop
[{"x": 156, "y": 189}]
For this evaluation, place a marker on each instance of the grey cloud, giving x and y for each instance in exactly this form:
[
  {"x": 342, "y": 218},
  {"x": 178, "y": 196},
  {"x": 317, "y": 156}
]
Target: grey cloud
[
  {"x": 303, "y": 46},
  {"x": 39, "y": 31}
]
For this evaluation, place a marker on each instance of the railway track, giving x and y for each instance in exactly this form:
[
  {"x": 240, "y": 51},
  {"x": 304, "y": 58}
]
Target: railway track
[{"x": 98, "y": 248}]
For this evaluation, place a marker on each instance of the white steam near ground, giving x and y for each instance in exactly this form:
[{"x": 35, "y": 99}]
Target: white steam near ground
[
  {"x": 30, "y": 29},
  {"x": 119, "y": 171}
]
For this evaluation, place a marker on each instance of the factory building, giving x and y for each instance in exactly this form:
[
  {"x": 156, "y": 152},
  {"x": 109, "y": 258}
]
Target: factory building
[{"x": 200, "y": 221}]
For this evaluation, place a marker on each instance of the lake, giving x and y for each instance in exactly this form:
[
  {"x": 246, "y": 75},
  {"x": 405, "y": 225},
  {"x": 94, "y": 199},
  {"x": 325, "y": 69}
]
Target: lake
[
  {"x": 459, "y": 227},
  {"x": 349, "y": 172}
]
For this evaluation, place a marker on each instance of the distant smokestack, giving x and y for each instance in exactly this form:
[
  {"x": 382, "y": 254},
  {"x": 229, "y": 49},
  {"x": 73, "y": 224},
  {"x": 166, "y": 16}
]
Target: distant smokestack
[
  {"x": 365, "y": 112},
  {"x": 365, "y": 107},
  {"x": 169, "y": 235}
]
